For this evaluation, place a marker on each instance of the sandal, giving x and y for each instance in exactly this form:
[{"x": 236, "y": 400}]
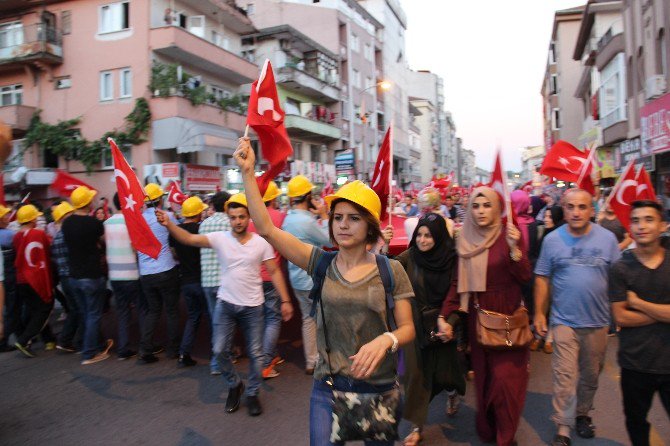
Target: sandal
[{"x": 414, "y": 437}]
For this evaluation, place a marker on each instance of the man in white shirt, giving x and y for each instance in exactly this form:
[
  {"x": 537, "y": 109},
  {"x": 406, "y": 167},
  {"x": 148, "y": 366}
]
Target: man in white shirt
[{"x": 240, "y": 297}]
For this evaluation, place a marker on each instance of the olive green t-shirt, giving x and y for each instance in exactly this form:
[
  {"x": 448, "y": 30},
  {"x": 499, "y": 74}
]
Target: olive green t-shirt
[{"x": 355, "y": 314}]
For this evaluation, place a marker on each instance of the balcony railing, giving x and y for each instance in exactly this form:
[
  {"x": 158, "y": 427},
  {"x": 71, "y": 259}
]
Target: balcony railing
[{"x": 30, "y": 43}]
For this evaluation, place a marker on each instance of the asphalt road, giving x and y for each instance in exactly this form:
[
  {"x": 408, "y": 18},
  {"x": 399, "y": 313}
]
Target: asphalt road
[{"x": 53, "y": 400}]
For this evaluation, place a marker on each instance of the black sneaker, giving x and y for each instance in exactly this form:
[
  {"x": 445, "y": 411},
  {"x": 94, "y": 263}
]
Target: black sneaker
[
  {"x": 4, "y": 348},
  {"x": 560, "y": 440},
  {"x": 186, "y": 361},
  {"x": 584, "y": 427},
  {"x": 127, "y": 354},
  {"x": 234, "y": 396},
  {"x": 147, "y": 359},
  {"x": 254, "y": 406}
]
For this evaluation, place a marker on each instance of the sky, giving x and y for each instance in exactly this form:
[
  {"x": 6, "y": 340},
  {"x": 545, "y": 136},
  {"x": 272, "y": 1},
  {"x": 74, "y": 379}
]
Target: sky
[{"x": 492, "y": 56}]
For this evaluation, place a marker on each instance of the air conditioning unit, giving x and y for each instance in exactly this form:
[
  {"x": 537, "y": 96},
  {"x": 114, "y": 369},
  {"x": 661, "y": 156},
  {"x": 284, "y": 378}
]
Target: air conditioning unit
[{"x": 655, "y": 86}]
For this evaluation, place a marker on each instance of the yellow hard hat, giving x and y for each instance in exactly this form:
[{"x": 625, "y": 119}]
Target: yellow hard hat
[
  {"x": 192, "y": 206},
  {"x": 4, "y": 210},
  {"x": 153, "y": 191},
  {"x": 62, "y": 210},
  {"x": 359, "y": 193},
  {"x": 82, "y": 196},
  {"x": 27, "y": 213},
  {"x": 271, "y": 192},
  {"x": 299, "y": 186},
  {"x": 237, "y": 198}
]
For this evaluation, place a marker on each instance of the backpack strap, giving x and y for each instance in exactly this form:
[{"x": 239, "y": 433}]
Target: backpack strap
[
  {"x": 318, "y": 278},
  {"x": 386, "y": 274}
]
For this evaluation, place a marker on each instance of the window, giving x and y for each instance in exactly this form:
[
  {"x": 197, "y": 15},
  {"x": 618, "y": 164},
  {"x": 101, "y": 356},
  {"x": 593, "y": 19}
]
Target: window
[
  {"x": 251, "y": 8},
  {"x": 315, "y": 153},
  {"x": 126, "y": 83},
  {"x": 107, "y": 161},
  {"x": 369, "y": 83},
  {"x": 553, "y": 84},
  {"x": 218, "y": 93},
  {"x": 219, "y": 39},
  {"x": 66, "y": 22},
  {"x": 556, "y": 119},
  {"x": 114, "y": 17},
  {"x": 355, "y": 44},
  {"x": 11, "y": 95},
  {"x": 292, "y": 107},
  {"x": 552, "y": 53},
  {"x": 11, "y": 34},
  {"x": 357, "y": 78},
  {"x": 662, "y": 56},
  {"x": 63, "y": 82},
  {"x": 106, "y": 86},
  {"x": 612, "y": 92},
  {"x": 367, "y": 52}
]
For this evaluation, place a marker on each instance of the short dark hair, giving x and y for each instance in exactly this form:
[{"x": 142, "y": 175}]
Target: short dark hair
[
  {"x": 219, "y": 200},
  {"x": 374, "y": 231},
  {"x": 117, "y": 202},
  {"x": 237, "y": 206},
  {"x": 638, "y": 204}
]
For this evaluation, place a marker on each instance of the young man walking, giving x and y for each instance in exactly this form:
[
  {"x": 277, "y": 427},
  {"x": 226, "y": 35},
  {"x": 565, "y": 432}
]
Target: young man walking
[
  {"x": 240, "y": 295},
  {"x": 574, "y": 264},
  {"x": 640, "y": 297}
]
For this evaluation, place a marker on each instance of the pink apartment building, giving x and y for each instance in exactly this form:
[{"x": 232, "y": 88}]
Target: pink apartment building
[{"x": 92, "y": 59}]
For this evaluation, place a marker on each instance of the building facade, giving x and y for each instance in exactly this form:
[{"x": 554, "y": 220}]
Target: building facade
[{"x": 531, "y": 161}]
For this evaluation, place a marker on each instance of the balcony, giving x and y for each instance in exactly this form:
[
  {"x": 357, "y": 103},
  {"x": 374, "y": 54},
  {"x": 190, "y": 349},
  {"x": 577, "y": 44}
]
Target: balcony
[
  {"x": 609, "y": 46},
  {"x": 17, "y": 117},
  {"x": 37, "y": 43},
  {"x": 302, "y": 82},
  {"x": 189, "y": 49},
  {"x": 177, "y": 106},
  {"x": 302, "y": 127}
]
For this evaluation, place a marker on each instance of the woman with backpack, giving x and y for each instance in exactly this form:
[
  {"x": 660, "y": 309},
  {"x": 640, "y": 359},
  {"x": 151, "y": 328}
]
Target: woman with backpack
[
  {"x": 356, "y": 341},
  {"x": 431, "y": 366}
]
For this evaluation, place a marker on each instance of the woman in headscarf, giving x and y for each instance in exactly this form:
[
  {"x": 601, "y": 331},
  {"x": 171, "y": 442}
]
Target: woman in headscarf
[
  {"x": 431, "y": 366},
  {"x": 492, "y": 265}
]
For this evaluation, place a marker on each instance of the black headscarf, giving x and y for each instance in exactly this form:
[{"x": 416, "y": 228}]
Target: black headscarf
[
  {"x": 556, "y": 216},
  {"x": 536, "y": 205},
  {"x": 438, "y": 263}
]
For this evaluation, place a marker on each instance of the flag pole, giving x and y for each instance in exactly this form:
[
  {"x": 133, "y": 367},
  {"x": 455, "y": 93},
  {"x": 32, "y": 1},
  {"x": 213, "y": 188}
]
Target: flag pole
[
  {"x": 390, "y": 171},
  {"x": 586, "y": 165}
]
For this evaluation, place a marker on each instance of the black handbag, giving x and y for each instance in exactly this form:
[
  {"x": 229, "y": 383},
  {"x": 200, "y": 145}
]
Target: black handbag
[{"x": 428, "y": 327}]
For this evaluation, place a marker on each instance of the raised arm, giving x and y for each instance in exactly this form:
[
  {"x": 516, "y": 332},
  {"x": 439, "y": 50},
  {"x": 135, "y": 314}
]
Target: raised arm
[
  {"x": 181, "y": 235},
  {"x": 288, "y": 246}
]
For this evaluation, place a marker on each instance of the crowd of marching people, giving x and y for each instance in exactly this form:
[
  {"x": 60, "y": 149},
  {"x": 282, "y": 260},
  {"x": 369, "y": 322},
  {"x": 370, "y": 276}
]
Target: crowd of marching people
[{"x": 481, "y": 284}]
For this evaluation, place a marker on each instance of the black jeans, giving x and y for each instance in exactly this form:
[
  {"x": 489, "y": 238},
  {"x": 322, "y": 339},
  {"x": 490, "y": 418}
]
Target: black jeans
[
  {"x": 638, "y": 390},
  {"x": 38, "y": 313},
  {"x": 159, "y": 289}
]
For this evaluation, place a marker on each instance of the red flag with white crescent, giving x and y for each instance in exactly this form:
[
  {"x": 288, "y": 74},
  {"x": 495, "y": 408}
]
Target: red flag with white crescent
[
  {"x": 381, "y": 176},
  {"x": 564, "y": 161},
  {"x": 644, "y": 190},
  {"x": 131, "y": 197},
  {"x": 32, "y": 249},
  {"x": 623, "y": 194},
  {"x": 64, "y": 183},
  {"x": 175, "y": 194},
  {"x": 499, "y": 184}
]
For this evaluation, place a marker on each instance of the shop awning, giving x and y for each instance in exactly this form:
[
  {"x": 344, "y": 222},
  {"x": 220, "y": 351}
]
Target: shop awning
[{"x": 187, "y": 135}]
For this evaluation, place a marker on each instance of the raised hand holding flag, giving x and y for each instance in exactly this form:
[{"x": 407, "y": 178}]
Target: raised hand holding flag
[{"x": 131, "y": 197}]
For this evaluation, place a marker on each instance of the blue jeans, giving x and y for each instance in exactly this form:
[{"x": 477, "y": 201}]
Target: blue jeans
[
  {"x": 90, "y": 295},
  {"x": 272, "y": 312},
  {"x": 321, "y": 409},
  {"x": 127, "y": 292},
  {"x": 74, "y": 325},
  {"x": 210, "y": 297},
  {"x": 250, "y": 319},
  {"x": 195, "y": 304}
]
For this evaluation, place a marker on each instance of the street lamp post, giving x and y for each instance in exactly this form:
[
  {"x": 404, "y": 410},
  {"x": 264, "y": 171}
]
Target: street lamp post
[{"x": 384, "y": 85}]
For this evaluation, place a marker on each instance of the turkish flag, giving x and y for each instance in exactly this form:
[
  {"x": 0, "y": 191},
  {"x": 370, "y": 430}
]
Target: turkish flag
[
  {"x": 644, "y": 190},
  {"x": 32, "y": 261},
  {"x": 131, "y": 197},
  {"x": 499, "y": 184},
  {"x": 381, "y": 176},
  {"x": 175, "y": 194},
  {"x": 564, "y": 161},
  {"x": 64, "y": 183},
  {"x": 266, "y": 117},
  {"x": 623, "y": 194},
  {"x": 584, "y": 180},
  {"x": 328, "y": 188}
]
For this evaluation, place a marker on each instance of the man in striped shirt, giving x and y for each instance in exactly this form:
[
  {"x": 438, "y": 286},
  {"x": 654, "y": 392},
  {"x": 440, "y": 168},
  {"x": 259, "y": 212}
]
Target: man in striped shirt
[
  {"x": 124, "y": 277},
  {"x": 210, "y": 269}
]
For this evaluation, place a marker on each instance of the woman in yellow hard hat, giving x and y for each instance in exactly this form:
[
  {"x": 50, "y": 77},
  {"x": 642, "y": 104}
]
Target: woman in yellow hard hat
[{"x": 355, "y": 343}]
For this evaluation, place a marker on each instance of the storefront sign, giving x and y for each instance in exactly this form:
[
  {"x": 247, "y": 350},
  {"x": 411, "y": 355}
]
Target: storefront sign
[
  {"x": 161, "y": 174},
  {"x": 655, "y": 125},
  {"x": 605, "y": 162},
  {"x": 345, "y": 163},
  {"x": 201, "y": 178},
  {"x": 631, "y": 149}
]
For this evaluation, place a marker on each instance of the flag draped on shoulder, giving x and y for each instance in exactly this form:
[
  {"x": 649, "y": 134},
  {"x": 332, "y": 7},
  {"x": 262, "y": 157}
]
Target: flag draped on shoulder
[
  {"x": 32, "y": 261},
  {"x": 623, "y": 194},
  {"x": 266, "y": 117},
  {"x": 564, "y": 161},
  {"x": 131, "y": 197},
  {"x": 381, "y": 176},
  {"x": 64, "y": 183}
]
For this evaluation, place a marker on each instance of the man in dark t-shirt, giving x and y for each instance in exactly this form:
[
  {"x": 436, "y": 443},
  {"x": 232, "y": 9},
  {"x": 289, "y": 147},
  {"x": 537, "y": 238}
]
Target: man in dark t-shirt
[
  {"x": 189, "y": 272},
  {"x": 83, "y": 237},
  {"x": 640, "y": 297}
]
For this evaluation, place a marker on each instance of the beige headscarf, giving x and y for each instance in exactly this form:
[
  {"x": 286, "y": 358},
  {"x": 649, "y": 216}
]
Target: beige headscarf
[{"x": 474, "y": 242}]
